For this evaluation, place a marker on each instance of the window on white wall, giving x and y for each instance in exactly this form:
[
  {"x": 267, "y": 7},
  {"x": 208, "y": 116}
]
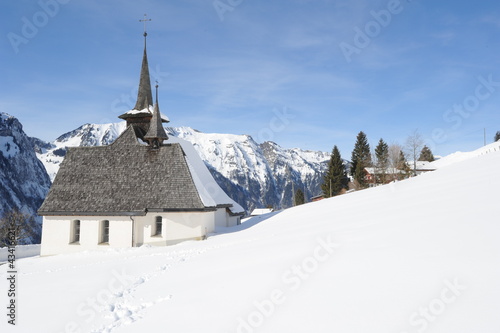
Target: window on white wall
[
  {"x": 105, "y": 231},
  {"x": 75, "y": 231},
  {"x": 158, "y": 226}
]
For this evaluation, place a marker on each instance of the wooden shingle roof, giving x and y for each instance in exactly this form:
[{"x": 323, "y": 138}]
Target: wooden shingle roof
[
  {"x": 156, "y": 130},
  {"x": 124, "y": 178}
]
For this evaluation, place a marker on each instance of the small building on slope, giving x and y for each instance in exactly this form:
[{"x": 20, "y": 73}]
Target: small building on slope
[
  {"x": 261, "y": 211},
  {"x": 144, "y": 188}
]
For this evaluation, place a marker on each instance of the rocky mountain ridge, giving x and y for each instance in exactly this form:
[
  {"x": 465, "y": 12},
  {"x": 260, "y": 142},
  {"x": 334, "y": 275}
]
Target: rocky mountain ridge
[
  {"x": 24, "y": 183},
  {"x": 253, "y": 174}
]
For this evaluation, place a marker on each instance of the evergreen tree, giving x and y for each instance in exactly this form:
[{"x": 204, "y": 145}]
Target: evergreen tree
[
  {"x": 360, "y": 177},
  {"x": 497, "y": 136},
  {"x": 360, "y": 159},
  {"x": 426, "y": 155},
  {"x": 299, "y": 197},
  {"x": 335, "y": 179},
  {"x": 403, "y": 166},
  {"x": 382, "y": 156}
]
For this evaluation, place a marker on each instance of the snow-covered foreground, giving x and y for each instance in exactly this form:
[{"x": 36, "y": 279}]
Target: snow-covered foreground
[
  {"x": 22, "y": 251},
  {"x": 421, "y": 255}
]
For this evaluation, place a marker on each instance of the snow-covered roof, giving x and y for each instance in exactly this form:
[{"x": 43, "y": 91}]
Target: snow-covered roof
[
  {"x": 146, "y": 111},
  {"x": 210, "y": 192},
  {"x": 379, "y": 170},
  {"x": 261, "y": 211},
  {"x": 423, "y": 165}
]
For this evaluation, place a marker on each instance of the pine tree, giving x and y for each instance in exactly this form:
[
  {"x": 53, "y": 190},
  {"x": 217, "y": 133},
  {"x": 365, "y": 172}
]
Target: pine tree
[
  {"x": 497, "y": 136},
  {"x": 426, "y": 155},
  {"x": 360, "y": 177},
  {"x": 360, "y": 159},
  {"x": 335, "y": 179},
  {"x": 403, "y": 166},
  {"x": 382, "y": 156},
  {"x": 299, "y": 197}
]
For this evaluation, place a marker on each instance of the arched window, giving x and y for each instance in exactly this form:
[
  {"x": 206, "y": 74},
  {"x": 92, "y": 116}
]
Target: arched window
[
  {"x": 158, "y": 226},
  {"x": 105, "y": 231},
  {"x": 75, "y": 230}
]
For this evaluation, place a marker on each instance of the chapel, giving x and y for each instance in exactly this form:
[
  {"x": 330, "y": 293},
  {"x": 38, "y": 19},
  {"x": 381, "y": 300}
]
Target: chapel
[{"x": 145, "y": 188}]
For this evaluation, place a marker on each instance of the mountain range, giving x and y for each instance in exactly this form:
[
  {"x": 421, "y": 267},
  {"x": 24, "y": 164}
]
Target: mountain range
[{"x": 253, "y": 174}]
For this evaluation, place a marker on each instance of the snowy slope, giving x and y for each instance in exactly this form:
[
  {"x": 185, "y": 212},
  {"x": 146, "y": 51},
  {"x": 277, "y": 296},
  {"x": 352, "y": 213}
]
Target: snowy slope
[
  {"x": 252, "y": 174},
  {"x": 462, "y": 156},
  {"x": 420, "y": 255}
]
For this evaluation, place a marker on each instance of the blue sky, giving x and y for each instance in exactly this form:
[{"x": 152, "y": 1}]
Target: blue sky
[{"x": 303, "y": 73}]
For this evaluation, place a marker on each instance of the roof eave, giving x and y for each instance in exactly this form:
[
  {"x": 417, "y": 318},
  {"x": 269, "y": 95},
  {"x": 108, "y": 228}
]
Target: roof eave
[
  {"x": 136, "y": 213},
  {"x": 166, "y": 210}
]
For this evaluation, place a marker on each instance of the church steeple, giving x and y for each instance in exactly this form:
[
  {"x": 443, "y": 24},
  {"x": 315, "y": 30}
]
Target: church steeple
[
  {"x": 156, "y": 133},
  {"x": 144, "y": 96},
  {"x": 140, "y": 117}
]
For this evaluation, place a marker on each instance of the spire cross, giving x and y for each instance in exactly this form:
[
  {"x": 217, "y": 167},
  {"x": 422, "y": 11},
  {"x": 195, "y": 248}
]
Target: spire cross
[{"x": 145, "y": 20}]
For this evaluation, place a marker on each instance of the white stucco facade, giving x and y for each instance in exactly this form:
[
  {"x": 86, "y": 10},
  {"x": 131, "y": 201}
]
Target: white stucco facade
[
  {"x": 223, "y": 218},
  {"x": 58, "y": 234},
  {"x": 69, "y": 234},
  {"x": 176, "y": 227}
]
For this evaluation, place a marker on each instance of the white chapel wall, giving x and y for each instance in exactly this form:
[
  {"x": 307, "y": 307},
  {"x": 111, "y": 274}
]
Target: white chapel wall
[
  {"x": 58, "y": 231},
  {"x": 177, "y": 227},
  {"x": 57, "y": 234}
]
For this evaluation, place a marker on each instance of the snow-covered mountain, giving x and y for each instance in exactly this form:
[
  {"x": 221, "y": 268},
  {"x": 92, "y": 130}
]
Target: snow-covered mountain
[
  {"x": 51, "y": 154},
  {"x": 264, "y": 172},
  {"x": 252, "y": 174},
  {"x": 23, "y": 180}
]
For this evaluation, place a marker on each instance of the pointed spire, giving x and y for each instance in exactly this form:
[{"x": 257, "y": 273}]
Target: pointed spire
[
  {"x": 141, "y": 116},
  {"x": 156, "y": 133},
  {"x": 144, "y": 96}
]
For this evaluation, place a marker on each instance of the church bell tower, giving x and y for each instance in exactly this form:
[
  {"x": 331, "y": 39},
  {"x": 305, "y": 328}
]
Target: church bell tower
[{"x": 141, "y": 116}]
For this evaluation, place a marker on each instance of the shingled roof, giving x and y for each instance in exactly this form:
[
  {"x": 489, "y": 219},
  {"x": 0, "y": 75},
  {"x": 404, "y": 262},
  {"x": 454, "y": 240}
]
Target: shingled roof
[
  {"x": 156, "y": 130},
  {"x": 124, "y": 178}
]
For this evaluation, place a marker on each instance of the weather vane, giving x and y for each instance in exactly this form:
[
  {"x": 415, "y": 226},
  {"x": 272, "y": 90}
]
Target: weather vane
[{"x": 145, "y": 20}]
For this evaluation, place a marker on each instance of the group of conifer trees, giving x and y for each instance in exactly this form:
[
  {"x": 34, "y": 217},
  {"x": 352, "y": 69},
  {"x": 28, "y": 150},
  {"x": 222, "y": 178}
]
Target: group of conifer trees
[{"x": 387, "y": 163}]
